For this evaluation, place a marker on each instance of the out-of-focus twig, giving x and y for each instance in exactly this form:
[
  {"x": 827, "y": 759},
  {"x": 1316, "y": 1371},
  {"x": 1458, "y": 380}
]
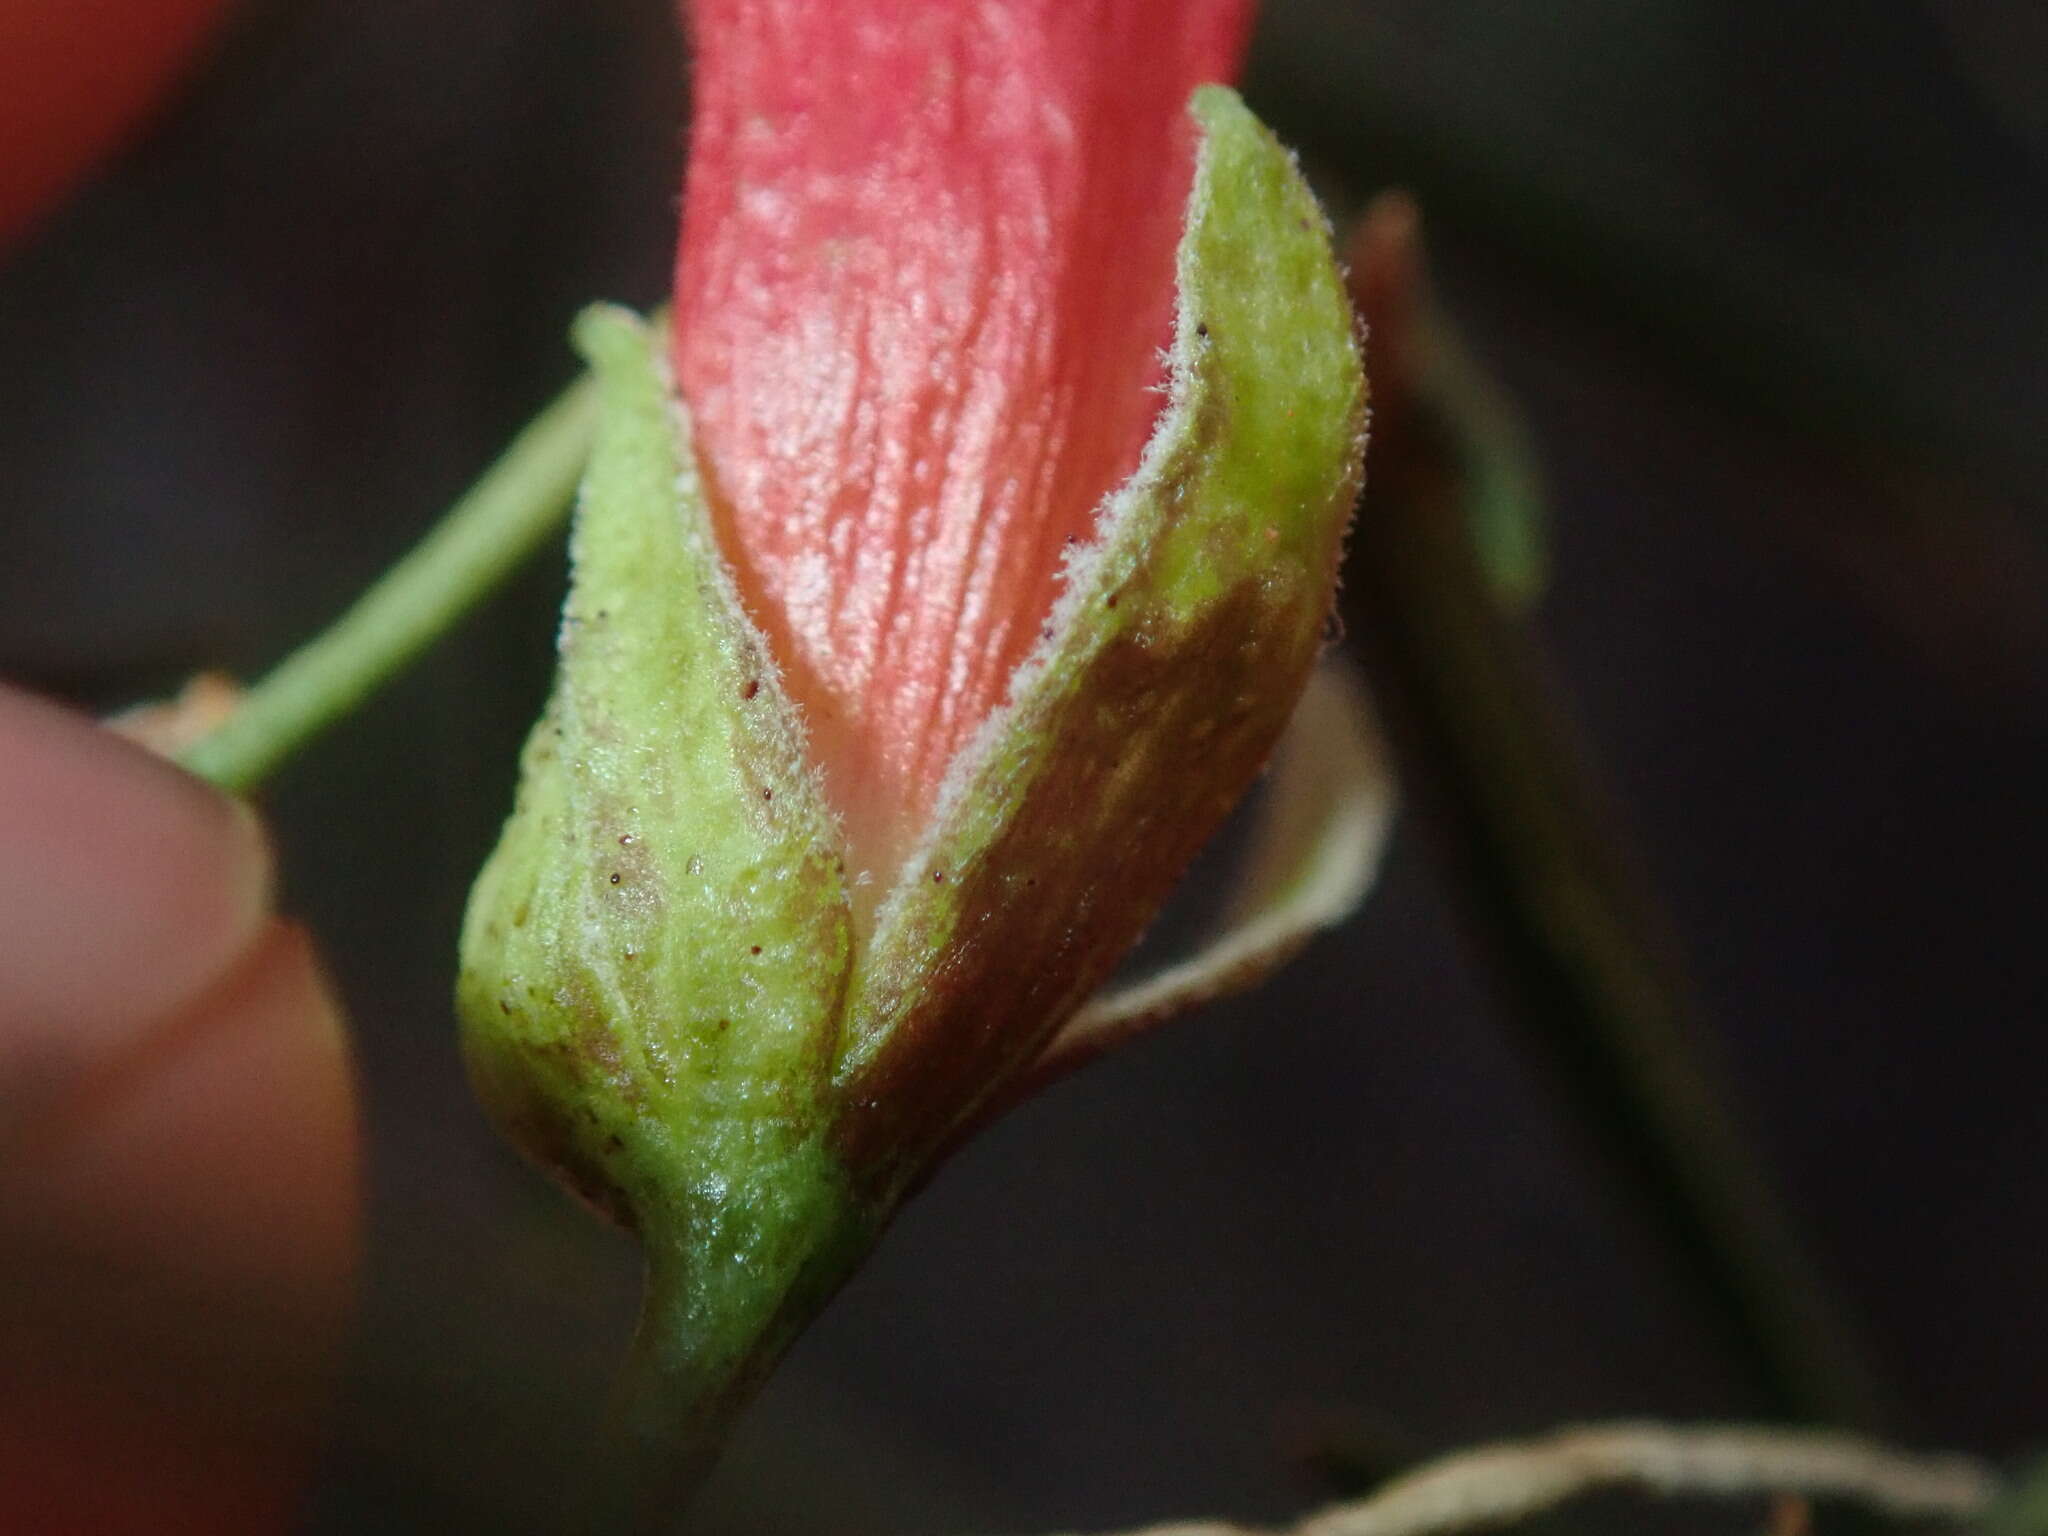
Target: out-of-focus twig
[
  {"x": 1498, "y": 1485},
  {"x": 2022, "y": 1510},
  {"x": 1583, "y": 957}
]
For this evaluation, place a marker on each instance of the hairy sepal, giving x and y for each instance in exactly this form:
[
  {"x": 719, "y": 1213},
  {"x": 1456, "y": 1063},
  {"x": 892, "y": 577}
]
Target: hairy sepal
[
  {"x": 655, "y": 959},
  {"x": 1168, "y": 671}
]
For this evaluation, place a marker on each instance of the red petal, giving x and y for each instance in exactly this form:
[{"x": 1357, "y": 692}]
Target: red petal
[
  {"x": 925, "y": 276},
  {"x": 75, "y": 76}
]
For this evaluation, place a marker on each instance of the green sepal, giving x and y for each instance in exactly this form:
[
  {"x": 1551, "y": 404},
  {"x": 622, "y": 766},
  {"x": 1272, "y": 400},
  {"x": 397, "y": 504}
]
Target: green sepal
[
  {"x": 1182, "y": 641},
  {"x": 655, "y": 959}
]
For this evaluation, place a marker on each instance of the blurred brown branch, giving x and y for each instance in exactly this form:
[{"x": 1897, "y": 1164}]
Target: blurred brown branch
[{"x": 1499, "y": 1484}]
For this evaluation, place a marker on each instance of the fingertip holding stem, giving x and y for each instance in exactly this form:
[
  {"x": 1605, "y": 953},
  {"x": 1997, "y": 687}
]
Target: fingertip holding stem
[
  {"x": 179, "y": 1150},
  {"x": 129, "y": 888}
]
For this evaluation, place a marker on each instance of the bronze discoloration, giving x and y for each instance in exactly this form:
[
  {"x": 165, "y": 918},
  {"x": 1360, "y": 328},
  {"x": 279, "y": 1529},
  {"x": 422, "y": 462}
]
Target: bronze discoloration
[{"x": 1097, "y": 864}]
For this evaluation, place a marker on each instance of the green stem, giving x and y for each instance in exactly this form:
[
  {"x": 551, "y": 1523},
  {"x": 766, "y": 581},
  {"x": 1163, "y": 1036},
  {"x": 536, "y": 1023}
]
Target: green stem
[
  {"x": 1502, "y": 485},
  {"x": 520, "y": 501},
  {"x": 1579, "y": 944},
  {"x": 667, "y": 1422},
  {"x": 709, "y": 1335}
]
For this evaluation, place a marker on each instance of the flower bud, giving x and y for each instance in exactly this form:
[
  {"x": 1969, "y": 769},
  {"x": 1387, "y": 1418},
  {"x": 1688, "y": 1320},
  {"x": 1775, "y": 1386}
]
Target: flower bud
[{"x": 673, "y": 991}]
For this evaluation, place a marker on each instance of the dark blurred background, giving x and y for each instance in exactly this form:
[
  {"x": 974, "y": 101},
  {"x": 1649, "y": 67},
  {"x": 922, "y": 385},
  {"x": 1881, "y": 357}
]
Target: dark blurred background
[{"x": 1767, "y": 283}]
